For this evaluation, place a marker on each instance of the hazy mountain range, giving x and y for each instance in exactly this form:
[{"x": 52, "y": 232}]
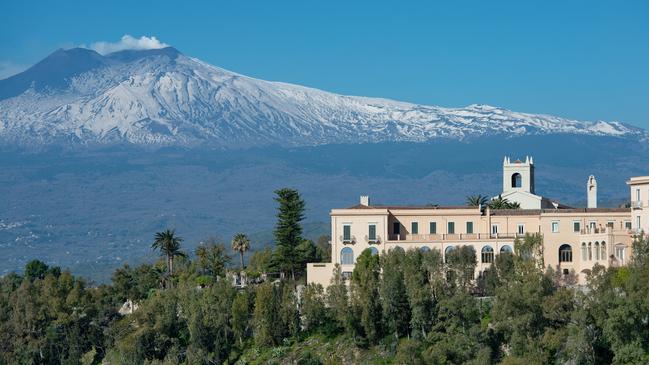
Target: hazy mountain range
[{"x": 98, "y": 152}]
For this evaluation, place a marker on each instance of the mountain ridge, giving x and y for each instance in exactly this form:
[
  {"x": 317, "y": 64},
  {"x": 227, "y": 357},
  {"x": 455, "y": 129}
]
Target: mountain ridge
[{"x": 162, "y": 97}]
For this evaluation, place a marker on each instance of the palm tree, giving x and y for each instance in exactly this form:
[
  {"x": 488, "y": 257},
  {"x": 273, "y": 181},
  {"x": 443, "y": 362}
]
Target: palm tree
[
  {"x": 503, "y": 203},
  {"x": 514, "y": 205},
  {"x": 240, "y": 243},
  {"x": 498, "y": 203},
  {"x": 476, "y": 200},
  {"x": 169, "y": 245}
]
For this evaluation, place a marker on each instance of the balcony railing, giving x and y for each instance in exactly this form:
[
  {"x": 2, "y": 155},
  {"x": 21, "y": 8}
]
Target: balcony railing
[
  {"x": 637, "y": 204},
  {"x": 596, "y": 230},
  {"x": 373, "y": 241},
  {"x": 452, "y": 236}
]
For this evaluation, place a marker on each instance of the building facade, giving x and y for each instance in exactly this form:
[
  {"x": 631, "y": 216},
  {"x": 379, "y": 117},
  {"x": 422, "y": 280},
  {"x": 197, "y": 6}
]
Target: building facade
[{"x": 574, "y": 239}]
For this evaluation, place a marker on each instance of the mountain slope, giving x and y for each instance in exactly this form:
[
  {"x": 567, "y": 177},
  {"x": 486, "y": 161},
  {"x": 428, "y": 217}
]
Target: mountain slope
[{"x": 164, "y": 97}]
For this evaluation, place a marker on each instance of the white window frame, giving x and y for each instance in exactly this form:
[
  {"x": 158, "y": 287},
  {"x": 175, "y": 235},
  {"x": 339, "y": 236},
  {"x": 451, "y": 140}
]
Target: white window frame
[
  {"x": 448, "y": 223},
  {"x": 347, "y": 239},
  {"x": 519, "y": 230},
  {"x": 412, "y": 226},
  {"x": 369, "y": 238},
  {"x": 620, "y": 252},
  {"x": 494, "y": 229},
  {"x": 573, "y": 226},
  {"x": 552, "y": 225},
  {"x": 472, "y": 227}
]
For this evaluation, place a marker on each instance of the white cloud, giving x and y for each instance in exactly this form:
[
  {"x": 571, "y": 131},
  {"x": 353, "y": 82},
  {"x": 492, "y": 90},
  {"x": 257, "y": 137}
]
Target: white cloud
[
  {"x": 128, "y": 42},
  {"x": 8, "y": 68}
]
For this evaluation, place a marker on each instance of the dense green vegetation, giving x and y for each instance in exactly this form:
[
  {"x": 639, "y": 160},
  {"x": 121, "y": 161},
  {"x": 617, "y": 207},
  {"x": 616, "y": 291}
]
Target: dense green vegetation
[{"x": 403, "y": 307}]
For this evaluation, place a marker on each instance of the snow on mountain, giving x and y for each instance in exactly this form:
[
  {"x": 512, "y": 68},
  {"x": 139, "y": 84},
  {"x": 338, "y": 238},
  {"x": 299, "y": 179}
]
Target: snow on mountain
[{"x": 163, "y": 97}]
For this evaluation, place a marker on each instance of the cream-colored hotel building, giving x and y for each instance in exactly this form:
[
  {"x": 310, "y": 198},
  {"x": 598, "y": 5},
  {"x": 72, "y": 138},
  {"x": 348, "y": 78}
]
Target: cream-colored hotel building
[{"x": 574, "y": 239}]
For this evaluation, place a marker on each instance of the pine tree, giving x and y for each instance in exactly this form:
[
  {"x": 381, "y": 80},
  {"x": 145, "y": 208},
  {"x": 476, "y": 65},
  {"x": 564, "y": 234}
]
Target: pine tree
[{"x": 288, "y": 231}]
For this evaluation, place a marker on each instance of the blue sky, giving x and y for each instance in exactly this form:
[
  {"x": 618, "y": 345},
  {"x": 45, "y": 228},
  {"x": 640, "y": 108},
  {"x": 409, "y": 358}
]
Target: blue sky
[{"x": 578, "y": 59}]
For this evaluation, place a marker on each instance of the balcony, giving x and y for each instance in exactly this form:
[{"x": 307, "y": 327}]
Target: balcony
[
  {"x": 348, "y": 240},
  {"x": 637, "y": 204},
  {"x": 373, "y": 241},
  {"x": 452, "y": 237},
  {"x": 596, "y": 230}
]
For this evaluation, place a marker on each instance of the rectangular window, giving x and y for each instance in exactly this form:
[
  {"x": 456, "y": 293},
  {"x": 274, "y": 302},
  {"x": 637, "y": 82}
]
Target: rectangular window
[
  {"x": 469, "y": 227},
  {"x": 637, "y": 222},
  {"x": 521, "y": 229},
  {"x": 396, "y": 228},
  {"x": 576, "y": 226},
  {"x": 592, "y": 225},
  {"x": 627, "y": 225},
  {"x": 610, "y": 224},
  {"x": 619, "y": 254},
  {"x": 371, "y": 232},
  {"x": 555, "y": 227},
  {"x": 347, "y": 233},
  {"x": 433, "y": 227},
  {"x": 637, "y": 195},
  {"x": 451, "y": 227},
  {"x": 494, "y": 229},
  {"x": 414, "y": 228}
]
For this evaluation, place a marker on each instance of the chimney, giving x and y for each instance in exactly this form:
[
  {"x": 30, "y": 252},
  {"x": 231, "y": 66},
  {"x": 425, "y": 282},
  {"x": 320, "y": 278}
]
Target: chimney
[
  {"x": 365, "y": 200},
  {"x": 591, "y": 191}
]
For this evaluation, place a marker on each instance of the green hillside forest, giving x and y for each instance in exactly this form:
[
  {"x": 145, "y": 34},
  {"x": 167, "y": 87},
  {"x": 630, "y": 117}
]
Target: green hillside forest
[{"x": 402, "y": 307}]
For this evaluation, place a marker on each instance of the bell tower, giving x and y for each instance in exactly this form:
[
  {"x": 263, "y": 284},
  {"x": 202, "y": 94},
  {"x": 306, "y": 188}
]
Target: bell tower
[{"x": 518, "y": 175}]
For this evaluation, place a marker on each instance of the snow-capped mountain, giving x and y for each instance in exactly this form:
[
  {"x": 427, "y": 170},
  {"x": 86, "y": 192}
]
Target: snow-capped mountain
[{"x": 164, "y": 97}]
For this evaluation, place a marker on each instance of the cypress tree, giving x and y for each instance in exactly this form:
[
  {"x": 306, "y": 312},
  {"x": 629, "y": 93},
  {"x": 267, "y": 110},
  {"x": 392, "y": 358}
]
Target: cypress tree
[
  {"x": 366, "y": 306},
  {"x": 396, "y": 310}
]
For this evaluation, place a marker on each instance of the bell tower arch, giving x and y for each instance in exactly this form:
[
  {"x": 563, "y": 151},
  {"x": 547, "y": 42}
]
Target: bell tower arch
[{"x": 518, "y": 175}]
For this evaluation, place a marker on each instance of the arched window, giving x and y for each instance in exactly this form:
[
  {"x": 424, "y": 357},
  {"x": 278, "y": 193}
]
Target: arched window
[
  {"x": 597, "y": 251},
  {"x": 590, "y": 251},
  {"x": 506, "y": 249},
  {"x": 346, "y": 256},
  {"x": 517, "y": 180},
  {"x": 602, "y": 247},
  {"x": 565, "y": 253},
  {"x": 398, "y": 248},
  {"x": 584, "y": 252},
  {"x": 487, "y": 255},
  {"x": 424, "y": 249},
  {"x": 374, "y": 251},
  {"x": 447, "y": 251}
]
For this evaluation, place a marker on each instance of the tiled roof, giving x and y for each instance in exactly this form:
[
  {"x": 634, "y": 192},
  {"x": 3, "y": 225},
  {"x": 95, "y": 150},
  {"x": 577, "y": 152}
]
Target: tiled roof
[
  {"x": 515, "y": 211},
  {"x": 405, "y": 207},
  {"x": 588, "y": 210},
  {"x": 504, "y": 212}
]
